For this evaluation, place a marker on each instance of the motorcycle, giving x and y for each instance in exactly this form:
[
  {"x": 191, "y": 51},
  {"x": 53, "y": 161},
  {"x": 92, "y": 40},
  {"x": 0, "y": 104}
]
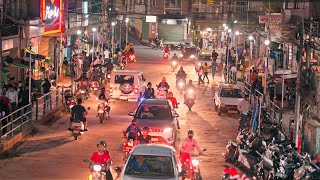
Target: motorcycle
[
  {"x": 70, "y": 102},
  {"x": 98, "y": 171},
  {"x": 190, "y": 98},
  {"x": 308, "y": 170},
  {"x": 128, "y": 145},
  {"x": 166, "y": 56},
  {"x": 162, "y": 93},
  {"x": 77, "y": 128},
  {"x": 103, "y": 110},
  {"x": 174, "y": 65},
  {"x": 94, "y": 85},
  {"x": 180, "y": 83},
  {"x": 83, "y": 92},
  {"x": 154, "y": 45},
  {"x": 108, "y": 76},
  {"x": 192, "y": 168}
]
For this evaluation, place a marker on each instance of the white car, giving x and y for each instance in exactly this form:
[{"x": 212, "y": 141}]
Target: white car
[
  {"x": 158, "y": 162},
  {"x": 127, "y": 85},
  {"x": 227, "y": 98}
]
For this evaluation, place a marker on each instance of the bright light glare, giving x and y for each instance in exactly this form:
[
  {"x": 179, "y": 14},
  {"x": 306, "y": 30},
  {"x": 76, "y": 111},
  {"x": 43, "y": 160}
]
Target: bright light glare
[
  {"x": 167, "y": 130},
  {"x": 224, "y": 25},
  {"x": 181, "y": 55},
  {"x": 237, "y": 33},
  {"x": 113, "y": 24},
  {"x": 97, "y": 168},
  {"x": 127, "y": 20},
  {"x": 174, "y": 63},
  {"x": 190, "y": 91},
  {"x": 250, "y": 37},
  {"x": 79, "y": 32},
  {"x": 181, "y": 84},
  {"x": 192, "y": 56},
  {"x": 235, "y": 21},
  {"x": 94, "y": 29},
  {"x": 195, "y": 162},
  {"x": 267, "y": 42},
  {"x": 229, "y": 30}
]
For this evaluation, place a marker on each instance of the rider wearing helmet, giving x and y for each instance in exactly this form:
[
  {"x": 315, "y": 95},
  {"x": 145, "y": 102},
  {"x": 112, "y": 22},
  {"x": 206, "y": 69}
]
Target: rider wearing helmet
[
  {"x": 164, "y": 84},
  {"x": 102, "y": 156},
  {"x": 181, "y": 73},
  {"x": 167, "y": 49},
  {"x": 149, "y": 92},
  {"x": 144, "y": 138},
  {"x": 230, "y": 169},
  {"x": 189, "y": 146},
  {"x": 174, "y": 57},
  {"x": 134, "y": 128}
]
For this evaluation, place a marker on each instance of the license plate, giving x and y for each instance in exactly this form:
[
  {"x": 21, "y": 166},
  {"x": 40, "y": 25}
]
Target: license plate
[
  {"x": 76, "y": 131},
  {"x": 95, "y": 89},
  {"x": 230, "y": 111},
  {"x": 154, "y": 139},
  {"x": 100, "y": 111}
]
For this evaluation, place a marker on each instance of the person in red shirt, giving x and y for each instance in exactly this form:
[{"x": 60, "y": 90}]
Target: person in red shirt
[
  {"x": 230, "y": 169},
  {"x": 102, "y": 156},
  {"x": 172, "y": 99}
]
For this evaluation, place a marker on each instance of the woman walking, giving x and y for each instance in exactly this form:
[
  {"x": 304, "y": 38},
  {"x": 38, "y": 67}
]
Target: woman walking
[
  {"x": 200, "y": 72},
  {"x": 206, "y": 71}
]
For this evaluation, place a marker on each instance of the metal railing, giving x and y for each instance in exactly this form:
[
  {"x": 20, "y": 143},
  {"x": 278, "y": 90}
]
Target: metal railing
[
  {"x": 231, "y": 77},
  {"x": 16, "y": 121},
  {"x": 275, "y": 112},
  {"x": 21, "y": 118}
]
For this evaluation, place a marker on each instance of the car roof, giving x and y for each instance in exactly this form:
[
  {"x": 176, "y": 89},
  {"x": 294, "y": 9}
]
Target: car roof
[
  {"x": 127, "y": 71},
  {"x": 155, "y": 102},
  {"x": 229, "y": 86},
  {"x": 153, "y": 150}
]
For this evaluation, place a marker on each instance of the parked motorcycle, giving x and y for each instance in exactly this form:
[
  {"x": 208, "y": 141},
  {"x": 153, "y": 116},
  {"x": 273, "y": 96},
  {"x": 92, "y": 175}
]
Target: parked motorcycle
[
  {"x": 103, "y": 110},
  {"x": 190, "y": 98},
  {"x": 174, "y": 65}
]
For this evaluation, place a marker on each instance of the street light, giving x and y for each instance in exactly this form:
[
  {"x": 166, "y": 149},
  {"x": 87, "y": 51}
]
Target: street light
[
  {"x": 251, "y": 38},
  {"x": 235, "y": 21},
  {"x": 93, "y": 48},
  {"x": 229, "y": 30},
  {"x": 127, "y": 29},
  {"x": 78, "y": 32},
  {"x": 30, "y": 44},
  {"x": 112, "y": 40},
  {"x": 267, "y": 42},
  {"x": 224, "y": 25},
  {"x": 237, "y": 33}
]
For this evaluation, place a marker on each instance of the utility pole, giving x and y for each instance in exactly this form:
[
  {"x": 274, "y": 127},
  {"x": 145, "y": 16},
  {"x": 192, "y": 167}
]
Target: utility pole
[
  {"x": 297, "y": 103},
  {"x": 2, "y": 20}
]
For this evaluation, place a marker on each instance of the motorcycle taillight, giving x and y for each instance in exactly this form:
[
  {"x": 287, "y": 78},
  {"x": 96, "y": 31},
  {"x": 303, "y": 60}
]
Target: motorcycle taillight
[{"x": 75, "y": 127}]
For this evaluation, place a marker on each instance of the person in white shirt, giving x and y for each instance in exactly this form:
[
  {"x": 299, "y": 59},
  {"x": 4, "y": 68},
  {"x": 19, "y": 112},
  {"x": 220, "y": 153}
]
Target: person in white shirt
[
  {"x": 12, "y": 95},
  {"x": 243, "y": 107},
  {"x": 106, "y": 54},
  {"x": 234, "y": 72},
  {"x": 98, "y": 61}
]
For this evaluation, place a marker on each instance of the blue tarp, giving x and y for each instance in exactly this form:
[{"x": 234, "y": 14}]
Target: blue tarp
[{"x": 254, "y": 117}]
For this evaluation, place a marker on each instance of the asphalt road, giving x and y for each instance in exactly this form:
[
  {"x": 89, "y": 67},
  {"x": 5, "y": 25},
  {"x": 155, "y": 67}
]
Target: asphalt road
[{"x": 52, "y": 153}]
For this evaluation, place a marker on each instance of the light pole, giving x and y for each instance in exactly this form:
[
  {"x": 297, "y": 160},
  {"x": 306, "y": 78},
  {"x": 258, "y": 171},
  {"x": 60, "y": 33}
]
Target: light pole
[
  {"x": 30, "y": 44},
  {"x": 78, "y": 33},
  {"x": 127, "y": 29},
  {"x": 93, "y": 48},
  {"x": 112, "y": 39},
  {"x": 266, "y": 43}
]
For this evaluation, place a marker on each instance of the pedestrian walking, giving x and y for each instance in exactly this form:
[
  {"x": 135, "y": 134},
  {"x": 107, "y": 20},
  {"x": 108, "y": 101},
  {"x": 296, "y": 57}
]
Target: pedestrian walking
[
  {"x": 46, "y": 91},
  {"x": 214, "y": 57},
  {"x": 233, "y": 72},
  {"x": 271, "y": 89},
  {"x": 206, "y": 71},
  {"x": 200, "y": 72},
  {"x": 243, "y": 107},
  {"x": 12, "y": 95}
]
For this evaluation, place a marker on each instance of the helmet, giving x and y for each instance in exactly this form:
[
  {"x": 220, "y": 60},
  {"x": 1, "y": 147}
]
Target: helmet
[
  {"x": 163, "y": 78},
  {"x": 170, "y": 92},
  {"x": 191, "y": 132},
  {"x": 181, "y": 67},
  {"x": 134, "y": 120},
  {"x": 149, "y": 83},
  {"x": 145, "y": 129},
  {"x": 190, "y": 81},
  {"x": 103, "y": 143}
]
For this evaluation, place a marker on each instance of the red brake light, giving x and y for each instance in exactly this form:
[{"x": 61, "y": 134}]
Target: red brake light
[{"x": 136, "y": 91}]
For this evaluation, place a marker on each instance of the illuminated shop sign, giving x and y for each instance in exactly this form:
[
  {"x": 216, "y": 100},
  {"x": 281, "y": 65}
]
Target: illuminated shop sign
[{"x": 52, "y": 13}]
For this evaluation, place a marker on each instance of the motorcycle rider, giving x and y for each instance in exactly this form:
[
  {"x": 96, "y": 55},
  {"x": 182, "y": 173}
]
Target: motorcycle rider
[
  {"x": 144, "y": 138},
  {"x": 230, "y": 169},
  {"x": 94, "y": 75},
  {"x": 188, "y": 87},
  {"x": 78, "y": 112},
  {"x": 134, "y": 128},
  {"x": 174, "y": 57},
  {"x": 172, "y": 99},
  {"x": 181, "y": 74},
  {"x": 189, "y": 146},
  {"x": 84, "y": 81},
  {"x": 167, "y": 49},
  {"x": 109, "y": 66},
  {"x": 102, "y": 156},
  {"x": 164, "y": 84},
  {"x": 105, "y": 98},
  {"x": 149, "y": 92}
]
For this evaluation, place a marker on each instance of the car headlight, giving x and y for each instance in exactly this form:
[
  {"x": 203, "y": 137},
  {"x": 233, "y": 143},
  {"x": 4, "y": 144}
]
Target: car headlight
[
  {"x": 181, "y": 55},
  {"x": 166, "y": 130},
  {"x": 195, "y": 162},
  {"x": 97, "y": 168},
  {"x": 192, "y": 56},
  {"x": 181, "y": 84}
]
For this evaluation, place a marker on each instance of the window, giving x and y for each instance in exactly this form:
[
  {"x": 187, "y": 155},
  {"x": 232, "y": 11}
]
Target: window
[
  {"x": 231, "y": 93},
  {"x": 153, "y": 3},
  {"x": 152, "y": 166},
  {"x": 158, "y": 112},
  {"x": 120, "y": 79}
]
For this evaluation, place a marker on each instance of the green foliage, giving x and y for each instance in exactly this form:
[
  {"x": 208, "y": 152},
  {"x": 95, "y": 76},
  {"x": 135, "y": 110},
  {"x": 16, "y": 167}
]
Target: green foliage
[{"x": 307, "y": 82}]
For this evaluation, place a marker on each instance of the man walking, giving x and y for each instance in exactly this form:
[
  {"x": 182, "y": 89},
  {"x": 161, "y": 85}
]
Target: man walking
[{"x": 214, "y": 57}]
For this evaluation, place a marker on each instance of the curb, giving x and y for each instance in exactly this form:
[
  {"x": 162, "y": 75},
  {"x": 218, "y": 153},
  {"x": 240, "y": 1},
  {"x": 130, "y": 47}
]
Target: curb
[{"x": 18, "y": 138}]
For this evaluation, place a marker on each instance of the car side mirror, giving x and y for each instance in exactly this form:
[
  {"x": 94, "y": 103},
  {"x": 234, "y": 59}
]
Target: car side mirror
[
  {"x": 176, "y": 115},
  {"x": 131, "y": 113},
  {"x": 183, "y": 173},
  {"x": 88, "y": 108}
]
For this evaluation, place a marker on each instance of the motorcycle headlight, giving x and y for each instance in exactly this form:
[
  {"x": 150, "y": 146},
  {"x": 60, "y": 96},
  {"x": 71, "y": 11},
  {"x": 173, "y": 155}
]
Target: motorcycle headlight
[
  {"x": 166, "y": 130},
  {"x": 174, "y": 63},
  {"x": 195, "y": 162},
  {"x": 310, "y": 169},
  {"x": 181, "y": 84},
  {"x": 109, "y": 76},
  {"x": 181, "y": 55},
  {"x": 97, "y": 168},
  {"x": 190, "y": 91},
  {"x": 192, "y": 56},
  {"x": 199, "y": 64}
]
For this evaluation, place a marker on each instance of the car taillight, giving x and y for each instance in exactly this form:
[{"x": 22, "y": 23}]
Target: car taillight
[
  {"x": 155, "y": 130},
  {"x": 136, "y": 90},
  {"x": 75, "y": 127}
]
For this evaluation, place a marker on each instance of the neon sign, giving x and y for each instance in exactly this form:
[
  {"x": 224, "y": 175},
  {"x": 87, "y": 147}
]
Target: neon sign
[{"x": 52, "y": 12}]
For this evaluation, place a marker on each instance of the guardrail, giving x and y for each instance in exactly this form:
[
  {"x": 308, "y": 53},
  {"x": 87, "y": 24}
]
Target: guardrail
[
  {"x": 231, "y": 77},
  {"x": 18, "y": 120}
]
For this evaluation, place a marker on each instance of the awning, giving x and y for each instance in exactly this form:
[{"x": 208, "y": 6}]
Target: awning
[
  {"x": 289, "y": 76},
  {"x": 5, "y": 74},
  {"x": 34, "y": 55}
]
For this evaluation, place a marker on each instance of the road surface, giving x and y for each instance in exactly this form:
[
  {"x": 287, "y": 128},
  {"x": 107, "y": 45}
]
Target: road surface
[{"x": 52, "y": 153}]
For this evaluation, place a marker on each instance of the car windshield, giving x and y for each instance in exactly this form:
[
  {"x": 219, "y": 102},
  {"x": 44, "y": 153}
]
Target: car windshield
[
  {"x": 205, "y": 58},
  {"x": 150, "y": 166},
  {"x": 158, "y": 112},
  {"x": 189, "y": 51},
  {"x": 120, "y": 79},
  {"x": 231, "y": 93}
]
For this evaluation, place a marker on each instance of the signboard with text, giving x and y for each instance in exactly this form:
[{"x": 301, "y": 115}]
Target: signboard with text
[
  {"x": 274, "y": 19},
  {"x": 52, "y": 13}
]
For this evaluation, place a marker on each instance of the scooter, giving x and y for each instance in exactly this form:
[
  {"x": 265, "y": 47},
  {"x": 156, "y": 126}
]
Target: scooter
[
  {"x": 94, "y": 85},
  {"x": 162, "y": 93},
  {"x": 128, "y": 145},
  {"x": 174, "y": 65},
  {"x": 190, "y": 98},
  {"x": 103, "y": 110},
  {"x": 77, "y": 128},
  {"x": 165, "y": 56},
  {"x": 180, "y": 84},
  {"x": 98, "y": 171},
  {"x": 192, "y": 168}
]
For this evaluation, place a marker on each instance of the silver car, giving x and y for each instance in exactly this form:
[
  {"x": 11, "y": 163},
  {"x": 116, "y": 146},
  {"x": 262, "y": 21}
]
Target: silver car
[{"x": 161, "y": 118}]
